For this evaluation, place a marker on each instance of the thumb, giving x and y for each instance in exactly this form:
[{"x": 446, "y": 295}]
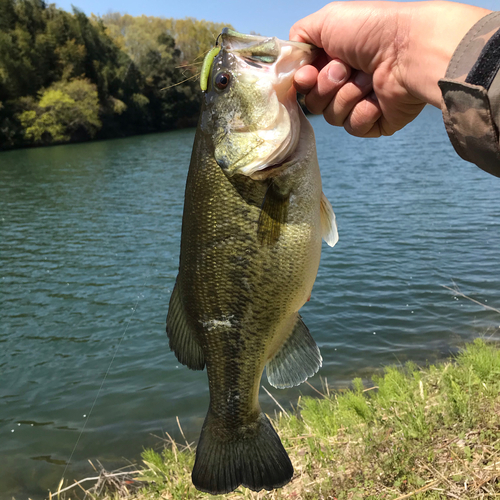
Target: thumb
[
  {"x": 309, "y": 29},
  {"x": 353, "y": 31}
]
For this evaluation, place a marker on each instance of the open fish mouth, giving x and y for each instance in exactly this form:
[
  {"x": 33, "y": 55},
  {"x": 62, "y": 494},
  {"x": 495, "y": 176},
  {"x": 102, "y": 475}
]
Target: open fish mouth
[
  {"x": 272, "y": 170},
  {"x": 251, "y": 104}
]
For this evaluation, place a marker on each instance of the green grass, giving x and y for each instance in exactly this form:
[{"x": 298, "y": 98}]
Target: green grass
[{"x": 430, "y": 433}]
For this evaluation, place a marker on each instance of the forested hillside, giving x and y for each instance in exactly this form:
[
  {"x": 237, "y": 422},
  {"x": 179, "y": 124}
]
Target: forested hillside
[{"x": 67, "y": 77}]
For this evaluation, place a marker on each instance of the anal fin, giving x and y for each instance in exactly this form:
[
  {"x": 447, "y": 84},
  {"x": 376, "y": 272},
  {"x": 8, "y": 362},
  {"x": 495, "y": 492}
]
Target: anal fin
[
  {"x": 297, "y": 359},
  {"x": 182, "y": 339}
]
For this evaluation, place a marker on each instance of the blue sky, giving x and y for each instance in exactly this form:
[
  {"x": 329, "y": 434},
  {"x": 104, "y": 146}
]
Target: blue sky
[{"x": 267, "y": 17}]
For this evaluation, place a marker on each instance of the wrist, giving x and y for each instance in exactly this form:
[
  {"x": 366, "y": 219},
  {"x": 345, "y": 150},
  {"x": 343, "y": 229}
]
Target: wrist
[{"x": 431, "y": 32}]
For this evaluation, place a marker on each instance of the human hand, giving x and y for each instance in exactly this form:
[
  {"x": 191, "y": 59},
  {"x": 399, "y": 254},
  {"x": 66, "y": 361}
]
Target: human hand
[{"x": 381, "y": 61}]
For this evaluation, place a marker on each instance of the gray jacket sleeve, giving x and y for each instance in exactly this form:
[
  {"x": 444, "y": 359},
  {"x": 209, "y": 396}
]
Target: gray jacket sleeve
[{"x": 471, "y": 95}]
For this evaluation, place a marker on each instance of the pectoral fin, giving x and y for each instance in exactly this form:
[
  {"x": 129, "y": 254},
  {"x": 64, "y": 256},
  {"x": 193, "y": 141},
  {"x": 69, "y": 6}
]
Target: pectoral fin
[
  {"x": 328, "y": 222},
  {"x": 273, "y": 215},
  {"x": 297, "y": 360},
  {"x": 182, "y": 339}
]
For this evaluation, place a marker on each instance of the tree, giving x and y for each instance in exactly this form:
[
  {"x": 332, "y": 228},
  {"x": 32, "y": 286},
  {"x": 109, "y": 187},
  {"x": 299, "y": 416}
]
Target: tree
[
  {"x": 65, "y": 77},
  {"x": 64, "y": 111}
]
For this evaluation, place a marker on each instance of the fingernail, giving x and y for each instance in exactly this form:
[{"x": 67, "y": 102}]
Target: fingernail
[
  {"x": 337, "y": 72},
  {"x": 362, "y": 79}
]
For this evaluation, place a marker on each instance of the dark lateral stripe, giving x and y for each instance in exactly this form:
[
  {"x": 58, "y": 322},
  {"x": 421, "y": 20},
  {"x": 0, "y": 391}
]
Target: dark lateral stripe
[{"x": 486, "y": 67}]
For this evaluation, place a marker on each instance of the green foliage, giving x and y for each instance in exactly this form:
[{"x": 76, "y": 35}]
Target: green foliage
[
  {"x": 403, "y": 392},
  {"x": 168, "y": 53},
  {"x": 138, "y": 35},
  {"x": 471, "y": 381},
  {"x": 133, "y": 63},
  {"x": 63, "y": 111},
  {"x": 417, "y": 429},
  {"x": 169, "y": 471},
  {"x": 482, "y": 361}
]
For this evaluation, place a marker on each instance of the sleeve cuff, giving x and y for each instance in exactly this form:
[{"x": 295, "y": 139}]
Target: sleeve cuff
[{"x": 471, "y": 95}]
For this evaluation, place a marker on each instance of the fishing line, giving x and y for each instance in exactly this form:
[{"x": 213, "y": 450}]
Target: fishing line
[{"x": 102, "y": 384}]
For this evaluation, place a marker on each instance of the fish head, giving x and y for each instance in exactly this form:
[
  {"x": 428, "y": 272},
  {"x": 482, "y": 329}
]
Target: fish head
[{"x": 250, "y": 107}]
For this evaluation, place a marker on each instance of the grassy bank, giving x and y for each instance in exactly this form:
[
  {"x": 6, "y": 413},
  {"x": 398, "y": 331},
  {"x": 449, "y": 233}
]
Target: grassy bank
[{"x": 430, "y": 433}]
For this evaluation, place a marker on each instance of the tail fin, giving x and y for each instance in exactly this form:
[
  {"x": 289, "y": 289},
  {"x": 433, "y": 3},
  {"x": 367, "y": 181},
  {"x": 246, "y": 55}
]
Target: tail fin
[{"x": 252, "y": 456}]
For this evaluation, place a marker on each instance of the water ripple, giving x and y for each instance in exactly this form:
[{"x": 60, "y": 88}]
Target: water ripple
[{"x": 90, "y": 244}]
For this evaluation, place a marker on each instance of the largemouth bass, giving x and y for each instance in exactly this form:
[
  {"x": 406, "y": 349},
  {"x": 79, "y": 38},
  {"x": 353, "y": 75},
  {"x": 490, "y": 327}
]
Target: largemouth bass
[{"x": 254, "y": 216}]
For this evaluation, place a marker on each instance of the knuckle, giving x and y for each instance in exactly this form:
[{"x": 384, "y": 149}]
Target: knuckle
[
  {"x": 342, "y": 102},
  {"x": 332, "y": 118},
  {"x": 362, "y": 118},
  {"x": 355, "y": 131},
  {"x": 313, "y": 106},
  {"x": 387, "y": 129},
  {"x": 315, "y": 103}
]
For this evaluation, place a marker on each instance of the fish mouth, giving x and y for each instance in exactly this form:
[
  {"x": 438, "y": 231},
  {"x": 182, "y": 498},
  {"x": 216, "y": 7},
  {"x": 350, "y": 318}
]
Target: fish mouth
[
  {"x": 276, "y": 169},
  {"x": 267, "y": 170},
  {"x": 264, "y": 172},
  {"x": 272, "y": 170},
  {"x": 263, "y": 143}
]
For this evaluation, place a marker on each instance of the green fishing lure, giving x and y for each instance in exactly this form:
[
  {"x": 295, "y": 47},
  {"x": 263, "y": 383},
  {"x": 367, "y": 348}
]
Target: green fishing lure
[{"x": 205, "y": 69}]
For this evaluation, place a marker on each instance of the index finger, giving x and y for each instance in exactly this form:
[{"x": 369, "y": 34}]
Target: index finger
[{"x": 305, "y": 79}]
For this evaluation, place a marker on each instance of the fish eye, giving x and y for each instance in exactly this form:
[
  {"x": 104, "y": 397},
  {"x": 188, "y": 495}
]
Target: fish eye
[{"x": 222, "y": 80}]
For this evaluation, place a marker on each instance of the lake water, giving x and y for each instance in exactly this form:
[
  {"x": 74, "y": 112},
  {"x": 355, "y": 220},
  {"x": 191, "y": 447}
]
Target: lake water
[{"x": 89, "y": 244}]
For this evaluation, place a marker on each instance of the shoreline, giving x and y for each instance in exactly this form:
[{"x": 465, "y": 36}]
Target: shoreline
[
  {"x": 417, "y": 433},
  {"x": 191, "y": 125}
]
